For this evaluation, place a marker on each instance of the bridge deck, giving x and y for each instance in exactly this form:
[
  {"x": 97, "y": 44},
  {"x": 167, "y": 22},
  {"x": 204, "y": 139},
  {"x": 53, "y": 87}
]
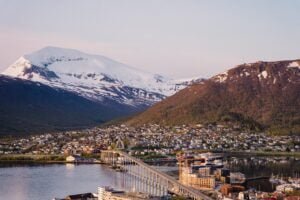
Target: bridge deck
[{"x": 190, "y": 190}]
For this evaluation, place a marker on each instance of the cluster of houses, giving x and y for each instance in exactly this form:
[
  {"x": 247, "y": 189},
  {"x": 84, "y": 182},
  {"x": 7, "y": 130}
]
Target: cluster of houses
[{"x": 146, "y": 138}]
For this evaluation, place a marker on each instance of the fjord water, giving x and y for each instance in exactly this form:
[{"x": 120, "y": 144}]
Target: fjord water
[
  {"x": 282, "y": 167},
  {"x": 35, "y": 182}
]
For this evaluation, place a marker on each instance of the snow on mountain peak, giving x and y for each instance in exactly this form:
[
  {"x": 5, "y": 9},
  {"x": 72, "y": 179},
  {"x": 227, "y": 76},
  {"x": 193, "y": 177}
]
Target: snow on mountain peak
[
  {"x": 89, "y": 74},
  {"x": 18, "y": 67}
]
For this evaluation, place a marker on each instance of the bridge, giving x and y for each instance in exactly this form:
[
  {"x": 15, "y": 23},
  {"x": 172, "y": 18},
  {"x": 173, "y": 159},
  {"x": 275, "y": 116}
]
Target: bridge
[{"x": 154, "y": 178}]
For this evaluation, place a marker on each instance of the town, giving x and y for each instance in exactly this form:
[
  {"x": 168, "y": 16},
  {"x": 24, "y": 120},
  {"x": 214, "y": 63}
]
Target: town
[
  {"x": 188, "y": 146},
  {"x": 163, "y": 140}
]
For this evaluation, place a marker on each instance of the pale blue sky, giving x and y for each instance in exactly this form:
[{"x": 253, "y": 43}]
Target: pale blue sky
[{"x": 177, "y": 38}]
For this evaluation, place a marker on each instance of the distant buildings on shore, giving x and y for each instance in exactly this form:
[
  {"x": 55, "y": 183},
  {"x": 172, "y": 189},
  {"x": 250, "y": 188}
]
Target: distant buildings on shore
[
  {"x": 80, "y": 159},
  {"x": 200, "y": 171},
  {"x": 205, "y": 172},
  {"x": 108, "y": 193}
]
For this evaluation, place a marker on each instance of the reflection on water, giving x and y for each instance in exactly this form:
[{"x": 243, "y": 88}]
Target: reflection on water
[
  {"x": 35, "y": 182},
  {"x": 264, "y": 166},
  {"x": 70, "y": 166}
]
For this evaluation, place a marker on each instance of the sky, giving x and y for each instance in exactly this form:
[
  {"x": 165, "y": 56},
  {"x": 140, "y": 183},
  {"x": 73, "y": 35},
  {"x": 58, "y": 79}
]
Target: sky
[{"x": 175, "y": 38}]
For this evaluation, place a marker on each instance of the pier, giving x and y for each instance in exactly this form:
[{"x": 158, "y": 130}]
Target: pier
[{"x": 153, "y": 178}]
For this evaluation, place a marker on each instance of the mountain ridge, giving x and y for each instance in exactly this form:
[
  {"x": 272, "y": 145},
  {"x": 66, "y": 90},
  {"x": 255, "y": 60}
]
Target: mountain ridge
[
  {"x": 108, "y": 90},
  {"x": 93, "y": 76},
  {"x": 264, "y": 94},
  {"x": 28, "y": 107}
]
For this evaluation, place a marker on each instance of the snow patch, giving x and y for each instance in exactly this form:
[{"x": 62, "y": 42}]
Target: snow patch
[
  {"x": 17, "y": 69},
  {"x": 221, "y": 77},
  {"x": 293, "y": 64},
  {"x": 263, "y": 74}
]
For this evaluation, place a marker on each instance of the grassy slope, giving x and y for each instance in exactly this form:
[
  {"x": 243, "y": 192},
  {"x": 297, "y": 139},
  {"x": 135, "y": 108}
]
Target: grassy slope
[{"x": 252, "y": 102}]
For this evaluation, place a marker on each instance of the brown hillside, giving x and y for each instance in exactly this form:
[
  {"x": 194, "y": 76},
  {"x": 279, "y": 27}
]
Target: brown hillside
[{"x": 265, "y": 94}]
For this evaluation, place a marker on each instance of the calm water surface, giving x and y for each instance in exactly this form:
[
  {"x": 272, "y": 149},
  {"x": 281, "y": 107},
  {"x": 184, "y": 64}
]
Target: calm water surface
[
  {"x": 37, "y": 182},
  {"x": 264, "y": 166}
]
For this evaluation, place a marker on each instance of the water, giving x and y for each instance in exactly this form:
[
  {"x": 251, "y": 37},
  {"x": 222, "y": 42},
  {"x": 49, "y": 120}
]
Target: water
[
  {"x": 264, "y": 166},
  {"x": 35, "y": 182}
]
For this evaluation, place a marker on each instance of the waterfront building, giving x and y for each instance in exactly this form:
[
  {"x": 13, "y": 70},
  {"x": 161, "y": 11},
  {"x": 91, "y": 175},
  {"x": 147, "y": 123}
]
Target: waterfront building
[
  {"x": 196, "y": 172},
  {"x": 85, "y": 196},
  {"x": 222, "y": 175},
  {"x": 227, "y": 189},
  {"x": 204, "y": 171},
  {"x": 107, "y": 193},
  {"x": 198, "y": 182},
  {"x": 237, "y": 178},
  {"x": 287, "y": 187},
  {"x": 73, "y": 158}
]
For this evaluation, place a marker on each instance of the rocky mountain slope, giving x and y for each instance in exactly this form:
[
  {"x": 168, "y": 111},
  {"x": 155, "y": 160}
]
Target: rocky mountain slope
[{"x": 257, "y": 95}]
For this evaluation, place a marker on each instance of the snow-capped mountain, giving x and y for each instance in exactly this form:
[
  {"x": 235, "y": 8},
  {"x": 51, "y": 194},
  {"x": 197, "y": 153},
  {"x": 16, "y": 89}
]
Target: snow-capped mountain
[{"x": 93, "y": 76}]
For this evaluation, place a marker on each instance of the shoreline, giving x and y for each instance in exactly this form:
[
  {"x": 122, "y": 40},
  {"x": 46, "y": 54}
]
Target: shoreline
[
  {"x": 263, "y": 153},
  {"x": 39, "y": 159},
  {"x": 45, "y": 162},
  {"x": 60, "y": 159}
]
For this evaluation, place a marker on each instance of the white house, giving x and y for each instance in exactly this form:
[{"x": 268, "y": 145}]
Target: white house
[{"x": 73, "y": 158}]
